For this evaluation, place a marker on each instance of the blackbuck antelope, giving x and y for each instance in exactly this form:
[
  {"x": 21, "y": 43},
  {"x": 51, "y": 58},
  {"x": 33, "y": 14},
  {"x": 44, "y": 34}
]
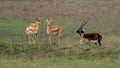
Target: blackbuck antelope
[
  {"x": 53, "y": 30},
  {"x": 88, "y": 37},
  {"x": 32, "y": 30}
]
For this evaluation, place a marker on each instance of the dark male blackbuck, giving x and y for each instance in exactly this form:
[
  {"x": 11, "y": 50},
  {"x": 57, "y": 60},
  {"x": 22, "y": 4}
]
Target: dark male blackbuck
[{"x": 88, "y": 37}]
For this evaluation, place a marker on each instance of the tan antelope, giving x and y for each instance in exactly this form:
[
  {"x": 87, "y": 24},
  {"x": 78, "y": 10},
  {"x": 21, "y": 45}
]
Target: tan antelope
[
  {"x": 53, "y": 30},
  {"x": 88, "y": 37},
  {"x": 32, "y": 30}
]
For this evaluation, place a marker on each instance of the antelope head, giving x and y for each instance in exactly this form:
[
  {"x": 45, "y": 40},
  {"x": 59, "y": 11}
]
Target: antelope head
[
  {"x": 80, "y": 30},
  {"x": 49, "y": 22},
  {"x": 38, "y": 21}
]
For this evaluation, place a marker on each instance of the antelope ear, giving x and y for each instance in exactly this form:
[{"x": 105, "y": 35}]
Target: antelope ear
[{"x": 38, "y": 19}]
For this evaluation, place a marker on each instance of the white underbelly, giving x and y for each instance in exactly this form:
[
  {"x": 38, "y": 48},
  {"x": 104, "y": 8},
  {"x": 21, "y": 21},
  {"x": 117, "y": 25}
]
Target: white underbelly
[
  {"x": 54, "y": 33},
  {"x": 30, "y": 32},
  {"x": 94, "y": 41},
  {"x": 84, "y": 41},
  {"x": 35, "y": 31}
]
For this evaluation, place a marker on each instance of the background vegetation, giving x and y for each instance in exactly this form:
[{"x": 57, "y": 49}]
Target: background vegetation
[{"x": 16, "y": 15}]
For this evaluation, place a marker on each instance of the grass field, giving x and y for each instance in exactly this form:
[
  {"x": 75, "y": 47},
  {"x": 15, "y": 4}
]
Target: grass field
[
  {"x": 59, "y": 63},
  {"x": 16, "y": 15}
]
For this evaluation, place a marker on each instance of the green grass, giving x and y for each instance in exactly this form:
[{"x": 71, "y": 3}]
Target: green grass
[{"x": 43, "y": 63}]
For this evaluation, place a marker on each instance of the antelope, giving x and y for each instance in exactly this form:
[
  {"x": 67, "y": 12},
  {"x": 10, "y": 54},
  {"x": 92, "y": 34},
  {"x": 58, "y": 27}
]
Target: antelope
[
  {"x": 56, "y": 29},
  {"x": 32, "y": 31},
  {"x": 88, "y": 37}
]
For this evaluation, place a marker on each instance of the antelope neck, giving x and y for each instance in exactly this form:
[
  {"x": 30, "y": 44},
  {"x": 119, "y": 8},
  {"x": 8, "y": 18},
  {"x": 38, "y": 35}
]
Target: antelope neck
[
  {"x": 48, "y": 28},
  {"x": 37, "y": 25}
]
